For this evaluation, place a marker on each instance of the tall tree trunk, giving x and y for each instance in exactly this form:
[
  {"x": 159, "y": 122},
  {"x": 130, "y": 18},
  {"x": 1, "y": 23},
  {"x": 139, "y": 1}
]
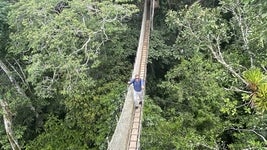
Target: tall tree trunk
[{"x": 7, "y": 116}]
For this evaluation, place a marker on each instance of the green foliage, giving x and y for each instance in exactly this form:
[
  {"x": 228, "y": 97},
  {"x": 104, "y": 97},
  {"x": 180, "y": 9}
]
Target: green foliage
[
  {"x": 200, "y": 97},
  {"x": 193, "y": 80},
  {"x": 260, "y": 99},
  {"x": 90, "y": 120},
  {"x": 61, "y": 58},
  {"x": 199, "y": 29},
  {"x": 257, "y": 83},
  {"x": 19, "y": 109},
  {"x": 254, "y": 76},
  {"x": 4, "y": 31},
  {"x": 58, "y": 135},
  {"x": 74, "y": 66},
  {"x": 192, "y": 98},
  {"x": 3, "y": 138},
  {"x": 59, "y": 47},
  {"x": 248, "y": 15},
  {"x": 161, "y": 47},
  {"x": 230, "y": 107}
]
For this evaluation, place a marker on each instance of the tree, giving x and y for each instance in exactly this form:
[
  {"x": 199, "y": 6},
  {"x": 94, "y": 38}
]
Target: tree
[
  {"x": 214, "y": 46},
  {"x": 55, "y": 54},
  {"x": 6, "y": 74}
]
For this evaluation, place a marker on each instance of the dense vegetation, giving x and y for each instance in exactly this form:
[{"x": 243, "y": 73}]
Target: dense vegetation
[
  {"x": 64, "y": 65},
  {"x": 211, "y": 90}
]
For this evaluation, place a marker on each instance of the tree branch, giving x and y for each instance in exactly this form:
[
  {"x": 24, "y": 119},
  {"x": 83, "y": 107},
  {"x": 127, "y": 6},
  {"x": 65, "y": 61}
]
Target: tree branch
[
  {"x": 237, "y": 90},
  {"x": 12, "y": 80},
  {"x": 219, "y": 57},
  {"x": 7, "y": 117},
  {"x": 207, "y": 146},
  {"x": 242, "y": 23},
  {"x": 21, "y": 77},
  {"x": 252, "y": 130}
]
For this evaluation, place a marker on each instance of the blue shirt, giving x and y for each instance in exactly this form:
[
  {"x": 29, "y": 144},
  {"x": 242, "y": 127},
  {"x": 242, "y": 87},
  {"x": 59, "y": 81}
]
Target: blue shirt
[{"x": 137, "y": 84}]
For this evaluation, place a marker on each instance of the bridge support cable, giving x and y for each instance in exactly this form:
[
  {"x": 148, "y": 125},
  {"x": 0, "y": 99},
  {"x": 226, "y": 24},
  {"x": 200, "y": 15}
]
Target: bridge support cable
[{"x": 127, "y": 133}]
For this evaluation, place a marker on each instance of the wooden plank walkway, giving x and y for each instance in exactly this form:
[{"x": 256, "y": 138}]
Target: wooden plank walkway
[{"x": 134, "y": 142}]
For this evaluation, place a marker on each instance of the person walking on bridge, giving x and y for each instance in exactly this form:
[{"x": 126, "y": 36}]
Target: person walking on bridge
[{"x": 138, "y": 85}]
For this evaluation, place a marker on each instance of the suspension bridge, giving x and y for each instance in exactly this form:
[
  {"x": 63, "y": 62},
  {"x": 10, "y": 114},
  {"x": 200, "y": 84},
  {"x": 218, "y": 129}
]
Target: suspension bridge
[{"x": 128, "y": 130}]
